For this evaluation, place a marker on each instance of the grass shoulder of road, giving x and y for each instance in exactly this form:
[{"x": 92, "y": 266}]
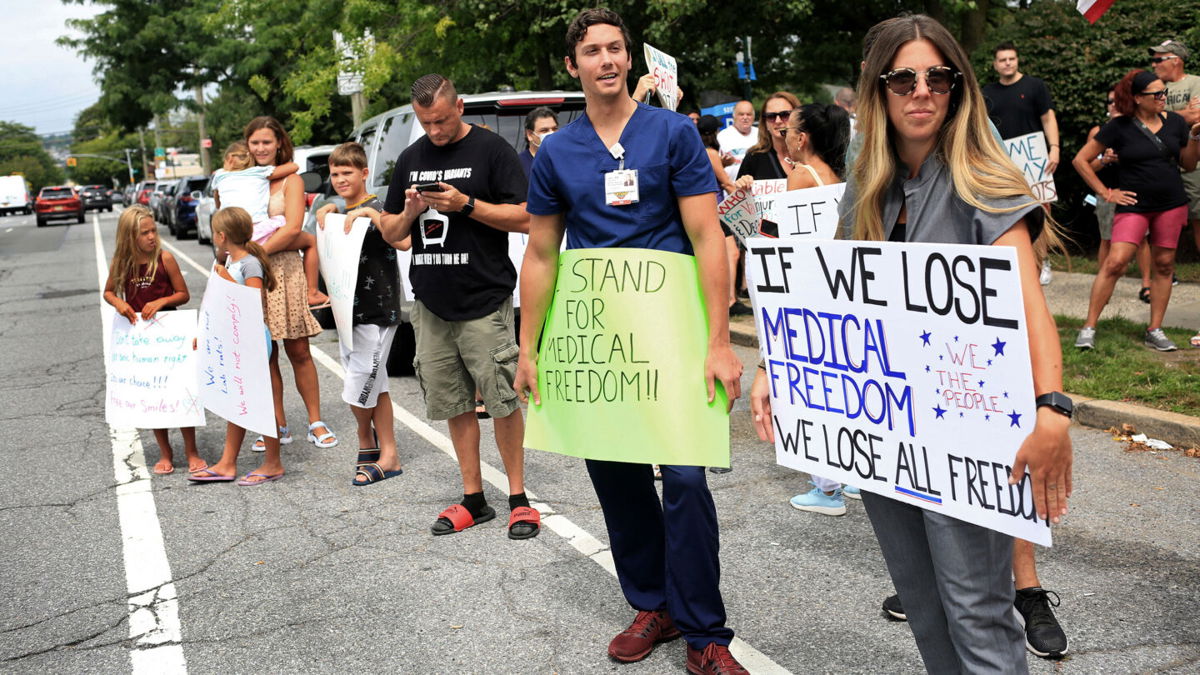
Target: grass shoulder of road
[
  {"x": 1120, "y": 368},
  {"x": 1087, "y": 264}
]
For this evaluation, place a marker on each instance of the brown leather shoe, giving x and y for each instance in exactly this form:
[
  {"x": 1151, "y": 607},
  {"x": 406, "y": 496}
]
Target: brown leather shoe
[
  {"x": 636, "y": 642},
  {"x": 715, "y": 659}
]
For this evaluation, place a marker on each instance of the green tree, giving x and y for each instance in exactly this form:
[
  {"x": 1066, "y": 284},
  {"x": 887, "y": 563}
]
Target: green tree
[{"x": 21, "y": 152}]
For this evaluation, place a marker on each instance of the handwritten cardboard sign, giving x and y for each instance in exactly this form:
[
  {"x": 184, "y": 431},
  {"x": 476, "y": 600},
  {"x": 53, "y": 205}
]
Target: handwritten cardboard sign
[
  {"x": 902, "y": 369},
  {"x": 739, "y": 212},
  {"x": 339, "y": 256},
  {"x": 621, "y": 365},
  {"x": 767, "y": 191},
  {"x": 152, "y": 373},
  {"x": 811, "y": 212},
  {"x": 666, "y": 76},
  {"x": 235, "y": 382},
  {"x": 1030, "y": 155}
]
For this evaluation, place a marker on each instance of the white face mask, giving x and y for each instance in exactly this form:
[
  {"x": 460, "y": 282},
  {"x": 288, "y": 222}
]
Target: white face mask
[{"x": 542, "y": 137}]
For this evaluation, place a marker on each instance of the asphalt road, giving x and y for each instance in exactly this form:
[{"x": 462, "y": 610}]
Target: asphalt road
[{"x": 309, "y": 574}]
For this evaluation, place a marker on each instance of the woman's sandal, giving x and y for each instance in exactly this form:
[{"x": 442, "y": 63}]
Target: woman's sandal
[
  {"x": 1144, "y": 294},
  {"x": 260, "y": 445}
]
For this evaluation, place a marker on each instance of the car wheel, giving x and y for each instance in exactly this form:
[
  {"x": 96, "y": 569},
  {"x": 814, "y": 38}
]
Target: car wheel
[{"x": 41, "y": 223}]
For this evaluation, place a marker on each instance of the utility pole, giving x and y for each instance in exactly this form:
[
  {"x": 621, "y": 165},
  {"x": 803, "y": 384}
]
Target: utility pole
[
  {"x": 204, "y": 162},
  {"x": 358, "y": 103},
  {"x": 129, "y": 165},
  {"x": 142, "y": 142}
]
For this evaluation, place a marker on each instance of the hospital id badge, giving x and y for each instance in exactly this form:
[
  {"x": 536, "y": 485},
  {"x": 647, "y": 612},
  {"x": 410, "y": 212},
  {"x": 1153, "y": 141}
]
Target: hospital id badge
[{"x": 621, "y": 187}]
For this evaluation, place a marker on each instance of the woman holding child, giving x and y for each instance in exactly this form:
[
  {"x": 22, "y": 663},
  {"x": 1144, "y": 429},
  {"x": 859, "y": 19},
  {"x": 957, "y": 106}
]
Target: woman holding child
[{"x": 288, "y": 316}]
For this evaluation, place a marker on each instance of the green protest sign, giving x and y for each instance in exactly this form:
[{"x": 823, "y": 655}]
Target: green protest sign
[{"x": 621, "y": 363}]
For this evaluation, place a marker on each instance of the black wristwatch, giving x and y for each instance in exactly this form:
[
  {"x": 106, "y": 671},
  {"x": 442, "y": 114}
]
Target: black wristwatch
[
  {"x": 1057, "y": 400},
  {"x": 468, "y": 207}
]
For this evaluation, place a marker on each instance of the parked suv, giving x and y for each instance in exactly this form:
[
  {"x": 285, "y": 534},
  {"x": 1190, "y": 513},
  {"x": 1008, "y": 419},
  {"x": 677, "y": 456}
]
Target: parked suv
[
  {"x": 57, "y": 203},
  {"x": 96, "y": 197},
  {"x": 180, "y": 206},
  {"x": 385, "y": 136}
]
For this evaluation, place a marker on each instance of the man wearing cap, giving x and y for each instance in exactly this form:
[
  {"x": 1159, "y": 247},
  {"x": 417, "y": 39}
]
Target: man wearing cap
[{"x": 1183, "y": 97}]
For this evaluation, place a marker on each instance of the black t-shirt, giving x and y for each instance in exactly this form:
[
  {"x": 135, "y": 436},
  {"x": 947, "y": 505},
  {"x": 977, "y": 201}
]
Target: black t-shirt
[
  {"x": 763, "y": 166},
  {"x": 1144, "y": 168},
  {"x": 1016, "y": 109},
  {"x": 460, "y": 267},
  {"x": 377, "y": 294}
]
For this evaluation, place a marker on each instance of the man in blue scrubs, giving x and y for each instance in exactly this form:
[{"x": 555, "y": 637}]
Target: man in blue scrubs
[{"x": 665, "y": 553}]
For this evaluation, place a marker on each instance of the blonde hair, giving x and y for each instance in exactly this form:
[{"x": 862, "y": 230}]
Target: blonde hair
[
  {"x": 979, "y": 167},
  {"x": 237, "y": 157},
  {"x": 124, "y": 261},
  {"x": 235, "y": 223},
  {"x": 765, "y": 143}
]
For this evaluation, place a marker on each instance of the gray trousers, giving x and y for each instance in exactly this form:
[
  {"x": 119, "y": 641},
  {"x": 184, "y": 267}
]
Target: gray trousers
[{"x": 955, "y": 582}]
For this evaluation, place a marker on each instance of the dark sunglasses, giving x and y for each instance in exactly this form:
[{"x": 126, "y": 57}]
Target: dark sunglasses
[
  {"x": 1160, "y": 94},
  {"x": 788, "y": 130},
  {"x": 1110, "y": 101},
  {"x": 781, "y": 115},
  {"x": 1160, "y": 59},
  {"x": 903, "y": 81}
]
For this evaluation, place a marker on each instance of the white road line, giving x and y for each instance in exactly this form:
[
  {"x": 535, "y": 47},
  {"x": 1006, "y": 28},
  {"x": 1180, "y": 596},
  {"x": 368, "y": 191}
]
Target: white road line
[
  {"x": 153, "y": 604},
  {"x": 8, "y": 230},
  {"x": 754, "y": 660}
]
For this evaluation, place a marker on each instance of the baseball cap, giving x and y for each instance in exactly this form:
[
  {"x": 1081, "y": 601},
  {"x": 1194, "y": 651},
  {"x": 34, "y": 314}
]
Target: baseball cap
[
  {"x": 1172, "y": 47},
  {"x": 708, "y": 124}
]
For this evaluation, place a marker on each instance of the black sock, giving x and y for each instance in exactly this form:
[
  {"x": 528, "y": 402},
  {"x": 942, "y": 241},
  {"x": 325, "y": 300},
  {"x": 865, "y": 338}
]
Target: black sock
[
  {"x": 474, "y": 503},
  {"x": 518, "y": 500}
]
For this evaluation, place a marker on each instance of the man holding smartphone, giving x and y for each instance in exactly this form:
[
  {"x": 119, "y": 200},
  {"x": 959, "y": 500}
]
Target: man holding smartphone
[{"x": 462, "y": 189}]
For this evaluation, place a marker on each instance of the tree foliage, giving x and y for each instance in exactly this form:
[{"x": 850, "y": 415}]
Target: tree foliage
[{"x": 21, "y": 152}]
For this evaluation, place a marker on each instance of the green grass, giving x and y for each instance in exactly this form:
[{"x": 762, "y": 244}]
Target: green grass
[
  {"x": 1186, "y": 271},
  {"x": 1121, "y": 369}
]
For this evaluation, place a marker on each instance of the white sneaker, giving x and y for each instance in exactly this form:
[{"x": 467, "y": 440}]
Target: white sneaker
[
  {"x": 1086, "y": 338},
  {"x": 1046, "y": 275}
]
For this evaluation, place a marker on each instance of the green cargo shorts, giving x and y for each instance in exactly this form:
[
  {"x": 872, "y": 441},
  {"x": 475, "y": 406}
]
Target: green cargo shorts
[{"x": 456, "y": 357}]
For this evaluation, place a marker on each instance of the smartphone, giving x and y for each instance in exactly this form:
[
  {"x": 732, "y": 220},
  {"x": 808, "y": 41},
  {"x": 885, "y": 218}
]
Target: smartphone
[{"x": 429, "y": 187}]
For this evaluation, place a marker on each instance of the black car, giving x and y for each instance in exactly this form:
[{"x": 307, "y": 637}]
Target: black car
[
  {"x": 180, "y": 205},
  {"x": 96, "y": 197}
]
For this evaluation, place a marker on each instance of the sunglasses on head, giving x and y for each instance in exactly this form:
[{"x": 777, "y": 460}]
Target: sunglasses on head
[
  {"x": 1160, "y": 59},
  {"x": 781, "y": 115},
  {"x": 903, "y": 81},
  {"x": 1160, "y": 94}
]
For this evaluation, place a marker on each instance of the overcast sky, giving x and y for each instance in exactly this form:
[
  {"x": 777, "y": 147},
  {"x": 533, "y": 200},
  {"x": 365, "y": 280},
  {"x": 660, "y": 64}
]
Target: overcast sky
[{"x": 42, "y": 85}]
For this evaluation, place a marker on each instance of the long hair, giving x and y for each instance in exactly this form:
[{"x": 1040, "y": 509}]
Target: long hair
[
  {"x": 828, "y": 129},
  {"x": 235, "y": 223},
  {"x": 284, "y": 152},
  {"x": 979, "y": 167},
  {"x": 765, "y": 144},
  {"x": 124, "y": 261}
]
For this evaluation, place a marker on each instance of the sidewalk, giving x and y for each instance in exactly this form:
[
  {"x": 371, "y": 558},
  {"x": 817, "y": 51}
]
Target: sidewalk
[{"x": 1068, "y": 295}]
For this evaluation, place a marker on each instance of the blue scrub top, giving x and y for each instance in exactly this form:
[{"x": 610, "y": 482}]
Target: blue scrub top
[{"x": 664, "y": 147}]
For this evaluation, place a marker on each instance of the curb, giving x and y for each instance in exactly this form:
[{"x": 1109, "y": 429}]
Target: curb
[{"x": 1181, "y": 431}]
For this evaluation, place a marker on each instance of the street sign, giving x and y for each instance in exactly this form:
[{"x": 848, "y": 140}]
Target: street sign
[
  {"x": 206, "y": 142},
  {"x": 160, "y": 152}
]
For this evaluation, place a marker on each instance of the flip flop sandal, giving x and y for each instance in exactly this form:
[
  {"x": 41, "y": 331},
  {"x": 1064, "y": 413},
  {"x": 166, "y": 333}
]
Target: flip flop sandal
[
  {"x": 458, "y": 518},
  {"x": 246, "y": 482},
  {"x": 1144, "y": 294},
  {"x": 325, "y": 440},
  {"x": 524, "y": 523},
  {"x": 480, "y": 411},
  {"x": 371, "y": 472},
  {"x": 367, "y": 456},
  {"x": 285, "y": 438},
  {"x": 210, "y": 476}
]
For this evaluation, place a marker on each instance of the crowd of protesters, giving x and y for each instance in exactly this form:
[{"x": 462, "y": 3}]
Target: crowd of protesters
[{"x": 919, "y": 119}]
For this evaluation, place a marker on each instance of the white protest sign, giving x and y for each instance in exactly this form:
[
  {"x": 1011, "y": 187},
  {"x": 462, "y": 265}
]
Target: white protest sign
[
  {"x": 152, "y": 373},
  {"x": 902, "y": 369},
  {"x": 811, "y": 212},
  {"x": 666, "y": 76},
  {"x": 339, "y": 256},
  {"x": 739, "y": 212},
  {"x": 235, "y": 382},
  {"x": 1029, "y": 153},
  {"x": 767, "y": 191}
]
